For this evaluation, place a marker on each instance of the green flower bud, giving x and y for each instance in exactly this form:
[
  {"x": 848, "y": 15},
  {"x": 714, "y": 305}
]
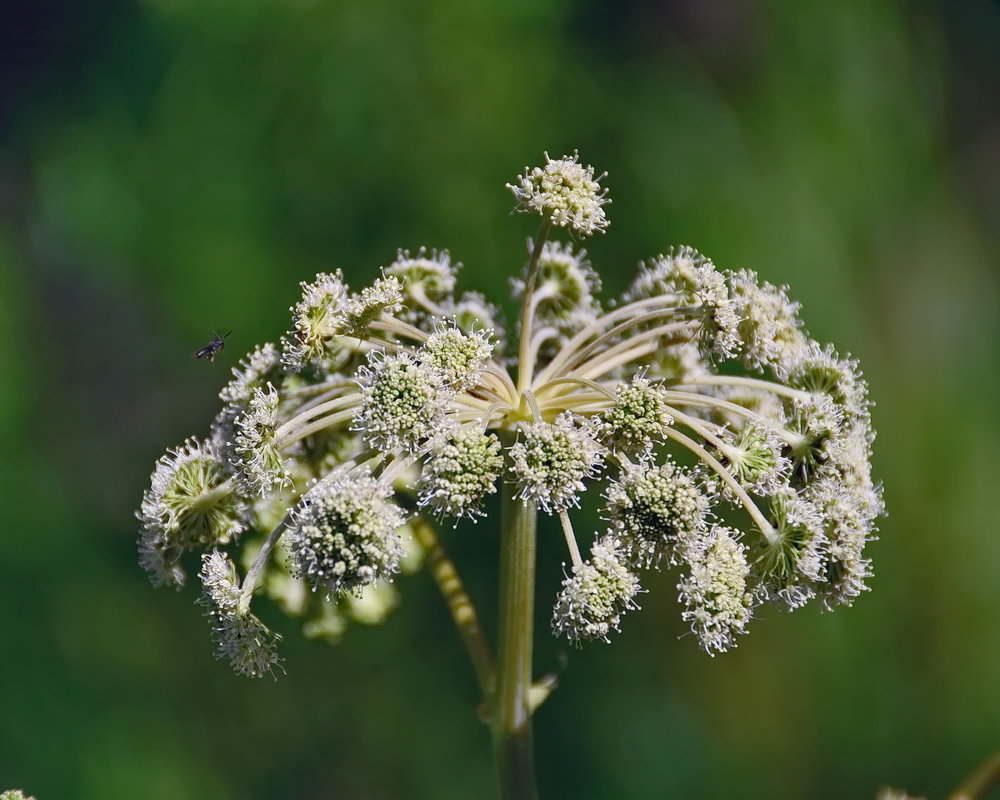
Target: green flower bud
[{"x": 637, "y": 420}]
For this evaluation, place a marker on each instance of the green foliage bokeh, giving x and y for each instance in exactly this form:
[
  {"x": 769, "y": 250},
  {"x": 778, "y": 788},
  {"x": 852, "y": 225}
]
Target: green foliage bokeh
[{"x": 175, "y": 166}]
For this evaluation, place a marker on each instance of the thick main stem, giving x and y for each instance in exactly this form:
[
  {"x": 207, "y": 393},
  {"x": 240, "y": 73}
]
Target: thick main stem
[{"x": 511, "y": 712}]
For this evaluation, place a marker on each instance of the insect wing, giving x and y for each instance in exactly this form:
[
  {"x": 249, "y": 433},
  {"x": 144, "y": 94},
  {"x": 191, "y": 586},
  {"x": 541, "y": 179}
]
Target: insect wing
[{"x": 208, "y": 351}]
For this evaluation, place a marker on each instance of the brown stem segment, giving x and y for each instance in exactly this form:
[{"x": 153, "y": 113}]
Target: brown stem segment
[
  {"x": 979, "y": 783},
  {"x": 463, "y": 612},
  {"x": 511, "y": 714}
]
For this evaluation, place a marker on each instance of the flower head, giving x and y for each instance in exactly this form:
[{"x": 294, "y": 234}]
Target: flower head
[
  {"x": 770, "y": 331},
  {"x": 596, "y": 595},
  {"x": 461, "y": 472},
  {"x": 363, "y": 308},
  {"x": 714, "y": 592},
  {"x": 402, "y": 403},
  {"x": 252, "y": 372},
  {"x": 658, "y": 512},
  {"x": 191, "y": 503},
  {"x": 848, "y": 518},
  {"x": 692, "y": 279},
  {"x": 345, "y": 534},
  {"x": 314, "y": 320},
  {"x": 754, "y": 457},
  {"x": 240, "y": 637},
  {"x": 551, "y": 461},
  {"x": 457, "y": 356},
  {"x": 638, "y": 417},
  {"x": 696, "y": 396},
  {"x": 790, "y": 566},
  {"x": 429, "y": 275},
  {"x": 819, "y": 370},
  {"x": 565, "y": 191},
  {"x": 813, "y": 425},
  {"x": 259, "y": 461},
  {"x": 567, "y": 286}
]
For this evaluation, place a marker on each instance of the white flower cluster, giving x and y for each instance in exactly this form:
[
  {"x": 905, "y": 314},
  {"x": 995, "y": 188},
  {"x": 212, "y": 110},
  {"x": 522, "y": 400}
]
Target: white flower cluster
[
  {"x": 460, "y": 473},
  {"x": 315, "y": 320},
  {"x": 638, "y": 418},
  {"x": 550, "y": 461},
  {"x": 427, "y": 279},
  {"x": 240, "y": 637},
  {"x": 257, "y": 456},
  {"x": 190, "y": 505},
  {"x": 361, "y": 310},
  {"x": 595, "y": 596},
  {"x": 344, "y": 534},
  {"x": 564, "y": 191},
  {"x": 458, "y": 357},
  {"x": 659, "y": 512},
  {"x": 696, "y": 396},
  {"x": 715, "y": 592},
  {"x": 693, "y": 281},
  {"x": 403, "y": 403},
  {"x": 566, "y": 290}
]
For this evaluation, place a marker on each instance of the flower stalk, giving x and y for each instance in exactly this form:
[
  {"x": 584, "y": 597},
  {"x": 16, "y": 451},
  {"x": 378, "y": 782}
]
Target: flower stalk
[
  {"x": 526, "y": 360},
  {"x": 980, "y": 782}
]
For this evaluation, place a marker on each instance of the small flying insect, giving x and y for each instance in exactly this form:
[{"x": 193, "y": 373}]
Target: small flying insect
[{"x": 213, "y": 348}]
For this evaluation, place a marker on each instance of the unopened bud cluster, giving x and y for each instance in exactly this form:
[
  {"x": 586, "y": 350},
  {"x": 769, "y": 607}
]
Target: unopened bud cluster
[{"x": 722, "y": 440}]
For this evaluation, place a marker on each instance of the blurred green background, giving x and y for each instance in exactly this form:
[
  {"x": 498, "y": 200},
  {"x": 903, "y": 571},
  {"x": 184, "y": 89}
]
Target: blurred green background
[{"x": 173, "y": 166}]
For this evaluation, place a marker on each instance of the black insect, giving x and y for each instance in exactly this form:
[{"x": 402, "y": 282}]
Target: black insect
[{"x": 213, "y": 348}]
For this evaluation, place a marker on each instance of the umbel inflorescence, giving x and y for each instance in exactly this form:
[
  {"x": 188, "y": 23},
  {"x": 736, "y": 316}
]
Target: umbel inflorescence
[{"x": 724, "y": 442}]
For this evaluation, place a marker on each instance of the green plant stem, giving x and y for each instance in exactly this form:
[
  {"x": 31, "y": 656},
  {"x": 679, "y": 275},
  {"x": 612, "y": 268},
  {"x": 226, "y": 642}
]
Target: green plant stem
[
  {"x": 463, "y": 612},
  {"x": 526, "y": 359},
  {"x": 979, "y": 783},
  {"x": 511, "y": 712}
]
